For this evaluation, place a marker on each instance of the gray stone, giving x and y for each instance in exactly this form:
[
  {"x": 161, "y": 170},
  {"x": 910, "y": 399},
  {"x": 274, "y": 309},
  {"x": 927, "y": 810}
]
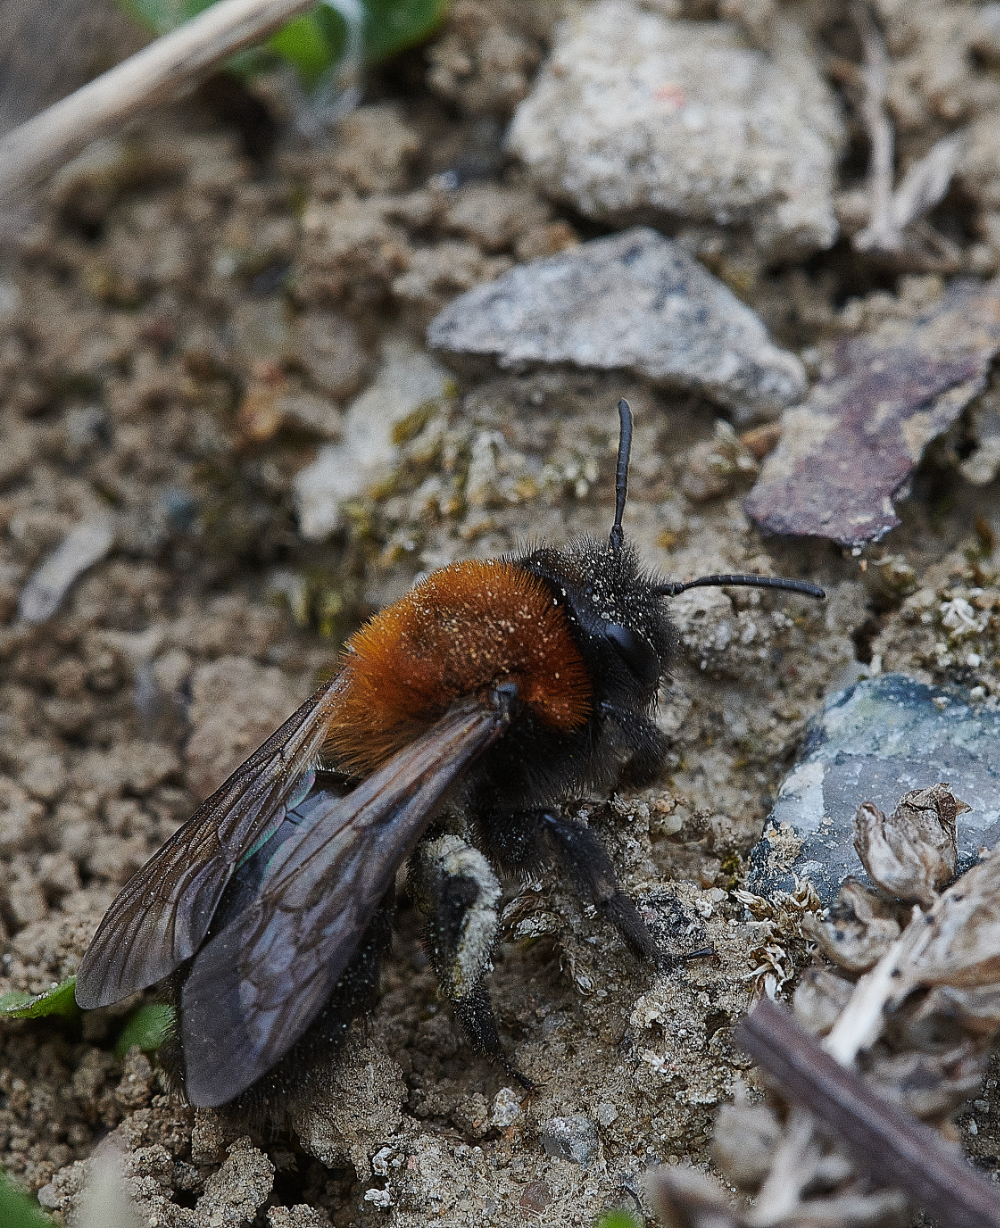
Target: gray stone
[
  {"x": 873, "y": 742},
  {"x": 331, "y": 353},
  {"x": 506, "y": 1108},
  {"x": 635, "y": 114},
  {"x": 571, "y": 1138},
  {"x": 634, "y": 301}
]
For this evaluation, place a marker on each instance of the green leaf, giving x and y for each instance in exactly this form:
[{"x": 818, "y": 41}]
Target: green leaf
[
  {"x": 148, "y": 1027},
  {"x": 18, "y": 1210},
  {"x": 393, "y": 25},
  {"x": 618, "y": 1219},
  {"x": 304, "y": 44},
  {"x": 58, "y": 1001},
  {"x": 315, "y": 42},
  {"x": 162, "y": 16}
]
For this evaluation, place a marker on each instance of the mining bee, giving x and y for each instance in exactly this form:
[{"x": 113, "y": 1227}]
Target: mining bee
[{"x": 458, "y": 721}]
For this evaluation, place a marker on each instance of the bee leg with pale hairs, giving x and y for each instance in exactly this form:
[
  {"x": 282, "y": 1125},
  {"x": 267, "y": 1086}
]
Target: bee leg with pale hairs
[{"x": 457, "y": 891}]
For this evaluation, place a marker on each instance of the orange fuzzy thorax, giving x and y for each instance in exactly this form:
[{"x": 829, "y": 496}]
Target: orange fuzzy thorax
[{"x": 458, "y": 633}]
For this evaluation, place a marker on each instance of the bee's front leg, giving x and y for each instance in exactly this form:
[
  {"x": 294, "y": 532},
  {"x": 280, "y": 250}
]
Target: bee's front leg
[
  {"x": 523, "y": 842},
  {"x": 456, "y": 889},
  {"x": 579, "y": 852}
]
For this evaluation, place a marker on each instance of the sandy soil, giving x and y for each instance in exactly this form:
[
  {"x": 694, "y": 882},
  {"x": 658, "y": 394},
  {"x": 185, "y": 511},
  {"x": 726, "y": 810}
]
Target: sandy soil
[{"x": 173, "y": 349}]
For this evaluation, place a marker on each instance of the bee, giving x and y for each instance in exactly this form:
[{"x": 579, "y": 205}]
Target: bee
[{"x": 459, "y": 720}]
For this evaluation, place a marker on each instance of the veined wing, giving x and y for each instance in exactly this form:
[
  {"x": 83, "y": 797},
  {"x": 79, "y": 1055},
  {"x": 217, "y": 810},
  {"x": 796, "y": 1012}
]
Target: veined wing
[
  {"x": 164, "y": 911},
  {"x": 258, "y": 984}
]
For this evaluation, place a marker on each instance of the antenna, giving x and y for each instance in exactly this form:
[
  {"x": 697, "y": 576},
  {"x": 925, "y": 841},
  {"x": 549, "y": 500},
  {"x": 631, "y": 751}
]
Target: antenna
[
  {"x": 621, "y": 474},
  {"x": 672, "y": 588}
]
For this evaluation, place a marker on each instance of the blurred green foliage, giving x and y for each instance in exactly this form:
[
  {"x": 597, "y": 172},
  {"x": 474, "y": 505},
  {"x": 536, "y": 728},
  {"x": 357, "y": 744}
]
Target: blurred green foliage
[
  {"x": 148, "y": 1027},
  {"x": 315, "y": 42},
  {"x": 618, "y": 1219},
  {"x": 18, "y": 1210}
]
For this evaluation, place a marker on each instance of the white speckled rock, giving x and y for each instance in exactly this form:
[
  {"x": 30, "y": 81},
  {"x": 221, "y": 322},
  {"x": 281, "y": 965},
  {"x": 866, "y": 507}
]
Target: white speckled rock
[
  {"x": 571, "y": 1138},
  {"x": 634, "y": 301},
  {"x": 406, "y": 379},
  {"x": 636, "y": 115}
]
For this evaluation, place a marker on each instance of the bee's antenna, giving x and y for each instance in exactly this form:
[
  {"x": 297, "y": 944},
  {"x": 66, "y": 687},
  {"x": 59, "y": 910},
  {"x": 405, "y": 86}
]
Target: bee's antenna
[
  {"x": 621, "y": 475},
  {"x": 672, "y": 588}
]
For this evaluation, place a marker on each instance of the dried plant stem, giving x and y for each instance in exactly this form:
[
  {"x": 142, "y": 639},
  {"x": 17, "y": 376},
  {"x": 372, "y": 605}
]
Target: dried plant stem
[
  {"x": 791, "y": 1171},
  {"x": 881, "y": 232},
  {"x": 925, "y": 183},
  {"x": 885, "y": 1142},
  {"x": 159, "y": 72},
  {"x": 857, "y": 1028},
  {"x": 860, "y": 1022}
]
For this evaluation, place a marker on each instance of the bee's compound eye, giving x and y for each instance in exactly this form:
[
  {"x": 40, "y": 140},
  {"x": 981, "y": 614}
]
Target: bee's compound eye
[{"x": 636, "y": 652}]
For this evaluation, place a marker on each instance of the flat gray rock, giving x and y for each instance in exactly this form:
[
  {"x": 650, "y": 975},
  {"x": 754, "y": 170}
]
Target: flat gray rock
[
  {"x": 635, "y": 301},
  {"x": 571, "y": 1138},
  {"x": 873, "y": 742},
  {"x": 636, "y": 114}
]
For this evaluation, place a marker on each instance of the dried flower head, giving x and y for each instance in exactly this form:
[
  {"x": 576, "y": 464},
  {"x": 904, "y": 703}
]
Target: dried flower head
[
  {"x": 859, "y": 930},
  {"x": 929, "y": 1085},
  {"x": 975, "y": 1011},
  {"x": 778, "y": 922},
  {"x": 961, "y": 945},
  {"x": 819, "y": 998},
  {"x": 744, "y": 1141},
  {"x": 911, "y": 854},
  {"x": 683, "y": 1197}
]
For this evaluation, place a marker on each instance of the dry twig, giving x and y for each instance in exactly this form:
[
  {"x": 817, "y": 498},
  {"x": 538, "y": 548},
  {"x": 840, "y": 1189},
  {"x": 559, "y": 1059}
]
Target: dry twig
[
  {"x": 159, "y": 72},
  {"x": 927, "y": 180},
  {"x": 886, "y": 1143},
  {"x": 880, "y": 232}
]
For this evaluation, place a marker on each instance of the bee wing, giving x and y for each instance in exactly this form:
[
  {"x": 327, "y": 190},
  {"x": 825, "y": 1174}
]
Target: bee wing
[
  {"x": 258, "y": 984},
  {"x": 163, "y": 913}
]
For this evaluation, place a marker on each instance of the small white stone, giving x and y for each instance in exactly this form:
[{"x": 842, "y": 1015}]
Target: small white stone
[
  {"x": 407, "y": 379},
  {"x": 506, "y": 1108}
]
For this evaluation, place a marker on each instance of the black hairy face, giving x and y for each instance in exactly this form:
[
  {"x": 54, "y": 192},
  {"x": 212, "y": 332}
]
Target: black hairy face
[{"x": 615, "y": 615}]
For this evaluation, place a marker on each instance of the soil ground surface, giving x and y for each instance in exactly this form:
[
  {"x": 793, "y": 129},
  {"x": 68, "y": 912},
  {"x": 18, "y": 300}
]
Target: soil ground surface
[{"x": 178, "y": 337}]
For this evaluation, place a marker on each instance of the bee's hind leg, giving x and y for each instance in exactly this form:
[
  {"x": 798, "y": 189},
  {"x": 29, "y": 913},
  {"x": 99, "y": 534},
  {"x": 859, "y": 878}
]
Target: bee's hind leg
[{"x": 456, "y": 889}]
